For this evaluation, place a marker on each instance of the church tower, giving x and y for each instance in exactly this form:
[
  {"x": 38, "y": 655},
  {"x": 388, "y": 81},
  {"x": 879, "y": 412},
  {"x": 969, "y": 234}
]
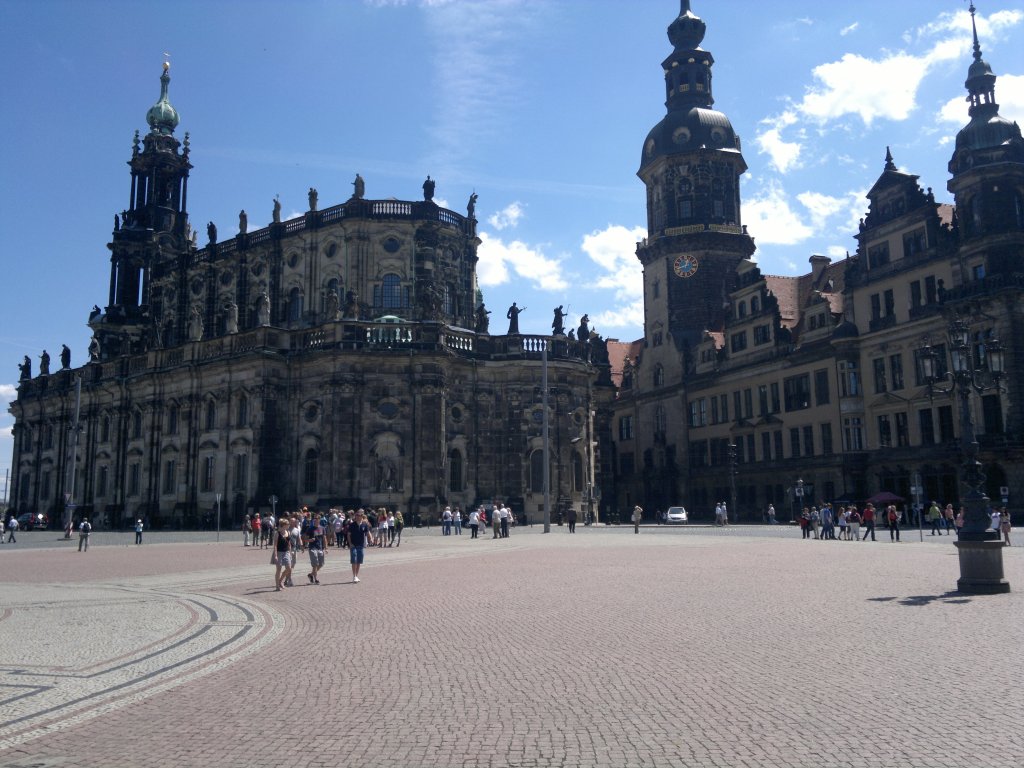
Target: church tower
[
  {"x": 691, "y": 165},
  {"x": 987, "y": 178},
  {"x": 153, "y": 228}
]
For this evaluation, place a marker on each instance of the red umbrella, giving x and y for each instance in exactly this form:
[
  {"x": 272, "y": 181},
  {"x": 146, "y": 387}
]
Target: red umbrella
[{"x": 885, "y": 497}]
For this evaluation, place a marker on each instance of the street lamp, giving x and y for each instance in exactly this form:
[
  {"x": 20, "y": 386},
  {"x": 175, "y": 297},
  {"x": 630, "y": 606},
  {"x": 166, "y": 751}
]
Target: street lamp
[
  {"x": 980, "y": 550},
  {"x": 732, "y": 483}
]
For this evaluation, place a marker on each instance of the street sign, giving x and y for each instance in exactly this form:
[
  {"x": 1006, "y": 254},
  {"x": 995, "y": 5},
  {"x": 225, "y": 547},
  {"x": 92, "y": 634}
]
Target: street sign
[
  {"x": 799, "y": 491},
  {"x": 1004, "y": 491}
]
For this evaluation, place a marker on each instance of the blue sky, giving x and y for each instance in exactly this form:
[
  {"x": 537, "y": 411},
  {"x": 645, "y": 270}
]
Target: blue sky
[{"x": 540, "y": 106}]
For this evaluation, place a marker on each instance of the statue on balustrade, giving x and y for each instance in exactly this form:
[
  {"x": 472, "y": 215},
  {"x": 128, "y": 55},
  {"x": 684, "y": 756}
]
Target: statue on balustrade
[
  {"x": 428, "y": 190},
  {"x": 65, "y": 357},
  {"x": 231, "y": 318},
  {"x": 277, "y": 210},
  {"x": 583, "y": 334},
  {"x": 263, "y": 309},
  {"x": 211, "y": 233},
  {"x": 558, "y": 324},
  {"x": 513, "y": 319},
  {"x": 243, "y": 222},
  {"x": 360, "y": 187},
  {"x": 471, "y": 206},
  {"x": 332, "y": 310},
  {"x": 94, "y": 350},
  {"x": 44, "y": 363},
  {"x": 312, "y": 198},
  {"x": 352, "y": 305},
  {"x": 26, "y": 369},
  {"x": 483, "y": 322},
  {"x": 195, "y": 324}
]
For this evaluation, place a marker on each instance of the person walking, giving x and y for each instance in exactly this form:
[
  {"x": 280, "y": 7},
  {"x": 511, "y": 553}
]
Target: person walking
[
  {"x": 771, "y": 515},
  {"x": 934, "y": 518},
  {"x": 805, "y": 523},
  {"x": 246, "y": 530},
  {"x": 316, "y": 545},
  {"x": 138, "y": 530},
  {"x": 505, "y": 515},
  {"x": 358, "y": 532},
  {"x": 12, "y": 528},
  {"x": 283, "y": 554},
  {"x": 892, "y": 517},
  {"x": 446, "y": 522},
  {"x": 84, "y": 529},
  {"x": 399, "y": 525},
  {"x": 572, "y": 519},
  {"x": 457, "y": 520},
  {"x": 493, "y": 520},
  {"x": 869, "y": 522},
  {"x": 853, "y": 518},
  {"x": 638, "y": 514},
  {"x": 474, "y": 523},
  {"x": 1004, "y": 525}
]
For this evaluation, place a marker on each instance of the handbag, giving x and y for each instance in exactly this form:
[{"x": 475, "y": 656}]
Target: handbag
[{"x": 273, "y": 558}]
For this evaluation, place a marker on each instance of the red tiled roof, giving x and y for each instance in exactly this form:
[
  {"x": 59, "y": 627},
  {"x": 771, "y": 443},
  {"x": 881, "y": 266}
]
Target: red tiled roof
[{"x": 618, "y": 351}]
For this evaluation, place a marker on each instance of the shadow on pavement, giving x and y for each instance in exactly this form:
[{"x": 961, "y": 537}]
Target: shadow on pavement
[{"x": 948, "y": 598}]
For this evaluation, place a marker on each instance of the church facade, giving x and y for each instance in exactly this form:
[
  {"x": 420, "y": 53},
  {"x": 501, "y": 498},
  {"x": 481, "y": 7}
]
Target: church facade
[
  {"x": 754, "y": 389},
  {"x": 342, "y": 358}
]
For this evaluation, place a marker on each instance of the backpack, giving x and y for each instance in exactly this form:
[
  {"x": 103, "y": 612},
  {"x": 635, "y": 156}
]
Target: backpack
[{"x": 86, "y": 528}]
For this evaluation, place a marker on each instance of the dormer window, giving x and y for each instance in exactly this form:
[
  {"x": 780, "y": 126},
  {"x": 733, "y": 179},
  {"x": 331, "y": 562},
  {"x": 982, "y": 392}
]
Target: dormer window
[
  {"x": 878, "y": 255},
  {"x": 741, "y": 310},
  {"x": 755, "y": 305}
]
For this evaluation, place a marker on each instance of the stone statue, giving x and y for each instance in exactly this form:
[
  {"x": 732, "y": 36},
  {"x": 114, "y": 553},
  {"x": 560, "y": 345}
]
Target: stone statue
[
  {"x": 332, "y": 310},
  {"x": 482, "y": 319},
  {"x": 95, "y": 312},
  {"x": 94, "y": 350},
  {"x": 431, "y": 301},
  {"x": 277, "y": 211},
  {"x": 211, "y": 233},
  {"x": 195, "y": 324},
  {"x": 117, "y": 223},
  {"x": 65, "y": 357},
  {"x": 44, "y": 363},
  {"x": 385, "y": 474},
  {"x": 26, "y": 369},
  {"x": 471, "y": 206},
  {"x": 572, "y": 334},
  {"x": 513, "y": 319},
  {"x": 360, "y": 187},
  {"x": 583, "y": 334},
  {"x": 352, "y": 305},
  {"x": 312, "y": 199},
  {"x": 243, "y": 222},
  {"x": 428, "y": 190},
  {"x": 558, "y": 324},
  {"x": 263, "y": 309},
  {"x": 230, "y": 317}
]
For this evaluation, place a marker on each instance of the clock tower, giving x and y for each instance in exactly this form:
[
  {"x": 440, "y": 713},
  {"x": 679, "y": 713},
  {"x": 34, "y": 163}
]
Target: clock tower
[{"x": 691, "y": 166}]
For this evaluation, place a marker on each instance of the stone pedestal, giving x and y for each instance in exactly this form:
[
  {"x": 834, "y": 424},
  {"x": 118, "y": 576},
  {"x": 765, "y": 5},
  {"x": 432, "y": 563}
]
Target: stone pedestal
[{"x": 981, "y": 567}]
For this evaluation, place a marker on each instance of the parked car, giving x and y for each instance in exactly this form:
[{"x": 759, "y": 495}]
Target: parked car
[
  {"x": 675, "y": 515},
  {"x": 30, "y": 520}
]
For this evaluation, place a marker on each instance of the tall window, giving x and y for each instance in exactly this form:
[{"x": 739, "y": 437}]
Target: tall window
[
  {"x": 137, "y": 424},
  {"x": 578, "y": 483},
  {"x": 808, "y": 441},
  {"x": 884, "y": 431},
  {"x": 946, "y": 423},
  {"x": 537, "y": 471},
  {"x": 241, "y": 471},
  {"x": 660, "y": 420},
  {"x": 766, "y": 446},
  {"x": 626, "y": 428},
  {"x": 211, "y": 415},
  {"x": 853, "y": 434},
  {"x": 172, "y": 420},
  {"x": 821, "y": 393},
  {"x": 896, "y": 371},
  {"x": 794, "y": 442},
  {"x": 133, "y": 479},
  {"x": 992, "y": 412},
  {"x": 455, "y": 481},
  {"x": 209, "y": 467},
  {"x": 309, "y": 474},
  {"x": 243, "y": 412},
  {"x": 101, "y": 481},
  {"x": 105, "y": 430},
  {"x": 878, "y": 364},
  {"x": 849, "y": 379},
  {"x": 798, "y": 392},
  {"x": 170, "y": 475},
  {"x": 44, "y": 485},
  {"x": 902, "y": 430},
  {"x": 659, "y": 376},
  {"x": 826, "y": 439},
  {"x": 927, "y": 426},
  {"x": 389, "y": 293}
]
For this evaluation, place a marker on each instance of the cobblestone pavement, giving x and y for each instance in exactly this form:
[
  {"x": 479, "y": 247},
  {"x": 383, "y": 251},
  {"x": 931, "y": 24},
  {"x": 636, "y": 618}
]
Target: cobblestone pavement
[{"x": 676, "y": 647}]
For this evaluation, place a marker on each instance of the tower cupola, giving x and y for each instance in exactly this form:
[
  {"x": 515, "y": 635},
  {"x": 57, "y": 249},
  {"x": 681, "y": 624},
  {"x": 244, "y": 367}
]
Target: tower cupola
[{"x": 162, "y": 117}]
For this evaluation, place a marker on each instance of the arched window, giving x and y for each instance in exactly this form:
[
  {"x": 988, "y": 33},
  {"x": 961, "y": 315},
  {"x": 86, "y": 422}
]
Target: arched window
[
  {"x": 659, "y": 376},
  {"x": 660, "y": 421},
  {"x": 309, "y": 475},
  {"x": 294, "y": 305},
  {"x": 211, "y": 415},
  {"x": 172, "y": 420},
  {"x": 243, "y": 412},
  {"x": 455, "y": 471},
  {"x": 537, "y": 471},
  {"x": 578, "y": 482},
  {"x": 390, "y": 296},
  {"x": 137, "y": 425}
]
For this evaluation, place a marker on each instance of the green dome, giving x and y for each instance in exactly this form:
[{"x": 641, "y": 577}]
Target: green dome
[{"x": 162, "y": 117}]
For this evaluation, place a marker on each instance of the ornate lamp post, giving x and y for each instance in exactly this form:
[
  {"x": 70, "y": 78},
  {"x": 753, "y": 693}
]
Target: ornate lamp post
[{"x": 980, "y": 550}]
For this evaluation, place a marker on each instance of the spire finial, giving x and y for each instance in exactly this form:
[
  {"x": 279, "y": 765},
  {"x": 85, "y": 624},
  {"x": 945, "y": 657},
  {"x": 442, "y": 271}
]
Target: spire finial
[
  {"x": 974, "y": 28},
  {"x": 889, "y": 164}
]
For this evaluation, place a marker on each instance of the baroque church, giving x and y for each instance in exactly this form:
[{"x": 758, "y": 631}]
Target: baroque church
[
  {"x": 757, "y": 390},
  {"x": 341, "y": 358}
]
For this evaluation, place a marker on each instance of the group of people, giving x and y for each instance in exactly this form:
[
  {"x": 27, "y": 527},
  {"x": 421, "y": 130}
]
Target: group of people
[
  {"x": 315, "y": 532},
  {"x": 822, "y": 523},
  {"x": 500, "y": 519}
]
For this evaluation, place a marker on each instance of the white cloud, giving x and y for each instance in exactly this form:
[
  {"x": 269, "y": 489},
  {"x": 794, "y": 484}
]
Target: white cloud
[
  {"x": 508, "y": 216},
  {"x": 837, "y": 252},
  {"x": 771, "y": 220},
  {"x": 784, "y": 155},
  {"x": 847, "y": 30},
  {"x": 613, "y": 250},
  {"x": 821, "y": 207},
  {"x": 630, "y": 315},
  {"x": 7, "y": 393},
  {"x": 499, "y": 259}
]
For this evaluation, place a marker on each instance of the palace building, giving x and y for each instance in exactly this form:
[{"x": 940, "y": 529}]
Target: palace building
[
  {"x": 341, "y": 358},
  {"x": 752, "y": 388}
]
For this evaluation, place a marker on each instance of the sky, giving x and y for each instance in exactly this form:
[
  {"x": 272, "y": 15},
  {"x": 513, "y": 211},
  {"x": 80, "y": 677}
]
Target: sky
[{"x": 541, "y": 107}]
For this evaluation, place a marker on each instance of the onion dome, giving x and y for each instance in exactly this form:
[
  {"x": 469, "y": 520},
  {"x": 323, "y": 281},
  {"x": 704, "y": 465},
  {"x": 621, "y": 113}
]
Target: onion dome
[{"x": 162, "y": 117}]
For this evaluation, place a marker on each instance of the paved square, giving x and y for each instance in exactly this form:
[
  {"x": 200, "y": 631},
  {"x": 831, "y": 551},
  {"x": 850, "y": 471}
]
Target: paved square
[{"x": 675, "y": 647}]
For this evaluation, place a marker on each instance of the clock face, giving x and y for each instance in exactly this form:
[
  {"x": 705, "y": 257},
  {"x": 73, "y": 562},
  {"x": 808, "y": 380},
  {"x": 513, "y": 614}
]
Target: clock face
[{"x": 685, "y": 266}]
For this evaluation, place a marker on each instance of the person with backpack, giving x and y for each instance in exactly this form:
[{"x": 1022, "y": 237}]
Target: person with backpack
[{"x": 84, "y": 529}]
